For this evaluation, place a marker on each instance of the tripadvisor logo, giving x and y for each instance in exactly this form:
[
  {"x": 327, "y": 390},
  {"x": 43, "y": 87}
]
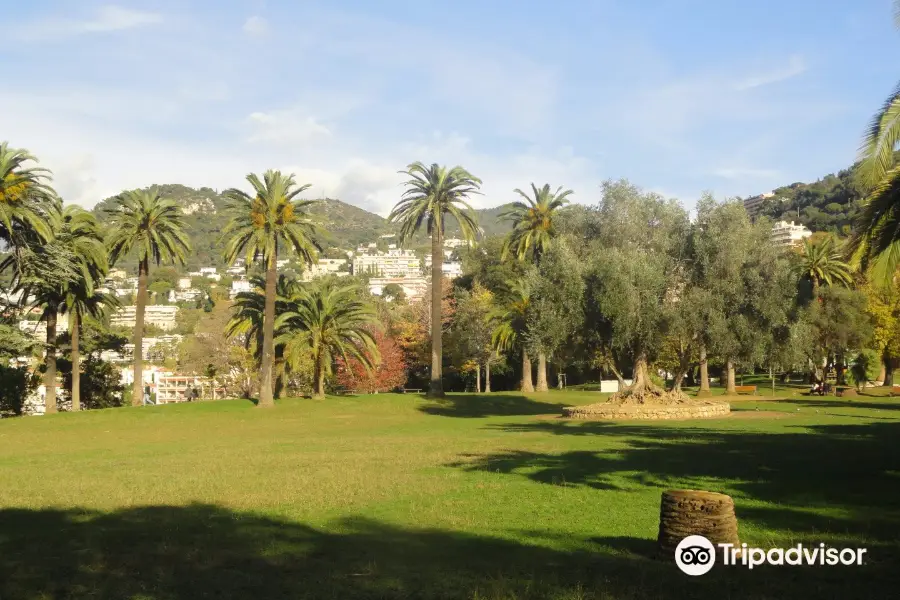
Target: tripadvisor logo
[{"x": 696, "y": 555}]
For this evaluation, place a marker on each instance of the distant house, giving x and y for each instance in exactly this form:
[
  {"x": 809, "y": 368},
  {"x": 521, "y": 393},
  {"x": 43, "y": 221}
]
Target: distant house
[
  {"x": 414, "y": 288},
  {"x": 240, "y": 285}
]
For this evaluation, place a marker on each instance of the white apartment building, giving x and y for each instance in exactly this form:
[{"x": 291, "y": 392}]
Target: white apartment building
[
  {"x": 159, "y": 315},
  {"x": 175, "y": 388},
  {"x": 184, "y": 283},
  {"x": 451, "y": 269},
  {"x": 207, "y": 271},
  {"x": 788, "y": 234},
  {"x": 393, "y": 263},
  {"x": 117, "y": 274},
  {"x": 37, "y": 330},
  {"x": 754, "y": 204},
  {"x": 414, "y": 288},
  {"x": 152, "y": 348}
]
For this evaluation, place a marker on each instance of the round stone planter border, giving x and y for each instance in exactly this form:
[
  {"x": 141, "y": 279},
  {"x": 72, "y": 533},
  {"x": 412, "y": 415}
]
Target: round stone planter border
[{"x": 621, "y": 412}]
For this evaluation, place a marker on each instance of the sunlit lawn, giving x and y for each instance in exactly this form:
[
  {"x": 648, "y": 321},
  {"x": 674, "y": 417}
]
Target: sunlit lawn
[{"x": 394, "y": 496}]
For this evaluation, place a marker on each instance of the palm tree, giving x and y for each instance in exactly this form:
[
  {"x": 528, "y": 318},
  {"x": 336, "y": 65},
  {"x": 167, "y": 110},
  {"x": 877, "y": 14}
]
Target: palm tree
[
  {"x": 26, "y": 199},
  {"x": 324, "y": 322},
  {"x": 533, "y": 221},
  {"x": 821, "y": 263},
  {"x": 510, "y": 323},
  {"x": 152, "y": 227},
  {"x": 533, "y": 232},
  {"x": 58, "y": 275},
  {"x": 81, "y": 234},
  {"x": 876, "y": 237},
  {"x": 259, "y": 223},
  {"x": 432, "y": 193},
  {"x": 247, "y": 320}
]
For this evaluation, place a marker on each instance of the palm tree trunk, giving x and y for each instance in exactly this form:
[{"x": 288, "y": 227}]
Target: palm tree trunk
[
  {"x": 815, "y": 287},
  {"x": 526, "y": 373},
  {"x": 477, "y": 378},
  {"x": 50, "y": 363},
  {"x": 542, "y": 372},
  {"x": 436, "y": 386},
  {"x": 319, "y": 382},
  {"x": 729, "y": 386},
  {"x": 704, "y": 373},
  {"x": 137, "y": 391},
  {"x": 487, "y": 376},
  {"x": 268, "y": 353},
  {"x": 75, "y": 326}
]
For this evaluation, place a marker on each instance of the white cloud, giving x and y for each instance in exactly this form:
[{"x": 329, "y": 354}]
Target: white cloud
[
  {"x": 105, "y": 19},
  {"x": 795, "y": 65},
  {"x": 256, "y": 26},
  {"x": 285, "y": 127}
]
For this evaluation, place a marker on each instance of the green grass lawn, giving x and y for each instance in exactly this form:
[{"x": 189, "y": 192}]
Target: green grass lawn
[{"x": 395, "y": 496}]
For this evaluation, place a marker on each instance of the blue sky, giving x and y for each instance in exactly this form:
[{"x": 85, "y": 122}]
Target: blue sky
[{"x": 679, "y": 96}]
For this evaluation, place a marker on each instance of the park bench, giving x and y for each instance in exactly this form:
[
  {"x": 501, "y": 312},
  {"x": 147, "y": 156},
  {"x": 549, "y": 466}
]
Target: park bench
[
  {"x": 413, "y": 390},
  {"x": 745, "y": 389}
]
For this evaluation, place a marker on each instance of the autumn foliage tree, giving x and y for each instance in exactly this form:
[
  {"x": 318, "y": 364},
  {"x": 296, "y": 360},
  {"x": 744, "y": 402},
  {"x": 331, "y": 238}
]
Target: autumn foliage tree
[{"x": 388, "y": 375}]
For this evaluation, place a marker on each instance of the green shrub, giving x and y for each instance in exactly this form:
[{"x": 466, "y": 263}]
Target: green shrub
[
  {"x": 15, "y": 385},
  {"x": 99, "y": 384}
]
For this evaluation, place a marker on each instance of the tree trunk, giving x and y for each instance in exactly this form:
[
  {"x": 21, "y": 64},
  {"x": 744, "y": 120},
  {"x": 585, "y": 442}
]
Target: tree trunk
[
  {"x": 137, "y": 389},
  {"x": 704, "y": 373},
  {"x": 487, "y": 376},
  {"x": 319, "y": 382},
  {"x": 839, "y": 369},
  {"x": 619, "y": 378},
  {"x": 881, "y": 374},
  {"x": 436, "y": 385},
  {"x": 815, "y": 287},
  {"x": 74, "y": 326},
  {"x": 772, "y": 377},
  {"x": 50, "y": 363},
  {"x": 526, "y": 373},
  {"x": 268, "y": 353},
  {"x": 642, "y": 389},
  {"x": 676, "y": 383},
  {"x": 684, "y": 362},
  {"x": 888, "y": 361},
  {"x": 542, "y": 373},
  {"x": 477, "y": 378},
  {"x": 730, "y": 387}
]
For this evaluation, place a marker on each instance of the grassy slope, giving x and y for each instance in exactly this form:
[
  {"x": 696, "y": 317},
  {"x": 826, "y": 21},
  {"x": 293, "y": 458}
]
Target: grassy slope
[{"x": 395, "y": 496}]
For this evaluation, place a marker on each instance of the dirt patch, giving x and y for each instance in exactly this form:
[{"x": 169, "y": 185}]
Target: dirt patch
[{"x": 759, "y": 414}]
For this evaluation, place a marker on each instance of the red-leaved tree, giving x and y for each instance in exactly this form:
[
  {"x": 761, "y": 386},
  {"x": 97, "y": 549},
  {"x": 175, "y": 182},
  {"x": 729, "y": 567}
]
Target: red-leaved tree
[{"x": 388, "y": 375}]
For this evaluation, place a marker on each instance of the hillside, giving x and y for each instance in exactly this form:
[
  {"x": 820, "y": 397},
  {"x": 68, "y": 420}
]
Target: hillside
[
  {"x": 346, "y": 225},
  {"x": 828, "y": 204}
]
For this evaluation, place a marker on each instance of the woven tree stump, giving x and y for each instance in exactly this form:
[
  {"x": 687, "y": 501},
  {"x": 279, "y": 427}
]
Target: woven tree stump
[{"x": 693, "y": 512}]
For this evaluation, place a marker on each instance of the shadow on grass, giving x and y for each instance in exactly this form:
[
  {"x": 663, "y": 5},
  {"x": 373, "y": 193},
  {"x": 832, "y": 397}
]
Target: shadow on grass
[
  {"x": 863, "y": 402},
  {"x": 849, "y": 471},
  {"x": 486, "y": 405},
  {"x": 202, "y": 551}
]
